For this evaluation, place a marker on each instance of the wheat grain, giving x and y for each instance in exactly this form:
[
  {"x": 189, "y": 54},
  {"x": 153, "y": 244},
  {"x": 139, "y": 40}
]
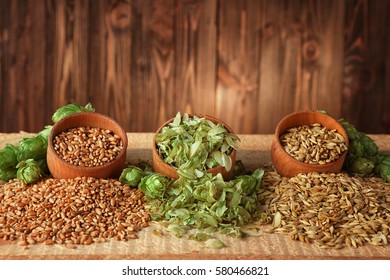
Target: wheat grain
[{"x": 76, "y": 211}]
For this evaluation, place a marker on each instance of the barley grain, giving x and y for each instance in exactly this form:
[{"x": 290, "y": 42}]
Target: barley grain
[
  {"x": 313, "y": 144},
  {"x": 329, "y": 210}
]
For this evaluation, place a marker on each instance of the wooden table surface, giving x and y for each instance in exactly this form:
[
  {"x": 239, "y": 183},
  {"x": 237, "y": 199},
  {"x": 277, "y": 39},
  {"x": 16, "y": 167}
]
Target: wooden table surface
[{"x": 254, "y": 152}]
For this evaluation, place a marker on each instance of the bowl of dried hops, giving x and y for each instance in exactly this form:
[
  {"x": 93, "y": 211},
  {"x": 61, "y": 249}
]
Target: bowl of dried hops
[
  {"x": 86, "y": 144},
  {"x": 191, "y": 146},
  {"x": 307, "y": 142}
]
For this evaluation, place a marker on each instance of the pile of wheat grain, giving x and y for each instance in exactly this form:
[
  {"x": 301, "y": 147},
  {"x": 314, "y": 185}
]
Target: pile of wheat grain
[{"x": 70, "y": 211}]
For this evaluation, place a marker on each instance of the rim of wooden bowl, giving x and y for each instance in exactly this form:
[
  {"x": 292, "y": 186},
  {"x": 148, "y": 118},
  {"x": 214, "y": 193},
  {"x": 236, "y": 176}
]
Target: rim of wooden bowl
[
  {"x": 78, "y": 120},
  {"x": 305, "y": 118},
  {"x": 164, "y": 168}
]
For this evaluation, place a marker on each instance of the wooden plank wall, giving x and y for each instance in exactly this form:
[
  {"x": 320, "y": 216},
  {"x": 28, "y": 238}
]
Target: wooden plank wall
[{"x": 248, "y": 62}]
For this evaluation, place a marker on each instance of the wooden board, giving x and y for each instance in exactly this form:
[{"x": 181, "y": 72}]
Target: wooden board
[
  {"x": 254, "y": 152},
  {"x": 248, "y": 62}
]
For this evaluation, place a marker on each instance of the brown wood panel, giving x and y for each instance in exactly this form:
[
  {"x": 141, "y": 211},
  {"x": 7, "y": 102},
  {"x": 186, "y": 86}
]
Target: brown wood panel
[
  {"x": 97, "y": 53},
  {"x": 195, "y": 56},
  {"x": 238, "y": 59},
  {"x": 7, "y": 50},
  {"x": 302, "y": 56},
  {"x": 322, "y": 57},
  {"x": 116, "y": 91},
  {"x": 365, "y": 101},
  {"x": 22, "y": 65},
  {"x": 386, "y": 92},
  {"x": 70, "y": 49},
  {"x": 248, "y": 62},
  {"x": 281, "y": 63},
  {"x": 154, "y": 63}
]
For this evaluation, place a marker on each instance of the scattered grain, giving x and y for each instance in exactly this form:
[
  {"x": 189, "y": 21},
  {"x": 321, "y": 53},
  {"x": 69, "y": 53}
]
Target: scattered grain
[
  {"x": 329, "y": 210},
  {"x": 70, "y": 211}
]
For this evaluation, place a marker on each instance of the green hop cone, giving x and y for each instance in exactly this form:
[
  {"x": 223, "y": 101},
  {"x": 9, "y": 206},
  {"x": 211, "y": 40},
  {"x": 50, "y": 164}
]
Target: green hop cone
[
  {"x": 8, "y": 157},
  {"x": 362, "y": 166},
  {"x": 356, "y": 148},
  {"x": 355, "y": 151},
  {"x": 382, "y": 169},
  {"x": 386, "y": 159},
  {"x": 70, "y": 109},
  {"x": 7, "y": 174},
  {"x": 43, "y": 165},
  {"x": 29, "y": 171},
  {"x": 384, "y": 172},
  {"x": 350, "y": 129},
  {"x": 154, "y": 185},
  {"x": 376, "y": 159},
  {"x": 45, "y": 132},
  {"x": 370, "y": 148},
  {"x": 131, "y": 175},
  {"x": 32, "y": 148}
]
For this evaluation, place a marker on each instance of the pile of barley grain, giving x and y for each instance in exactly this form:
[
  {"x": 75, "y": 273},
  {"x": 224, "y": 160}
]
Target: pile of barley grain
[
  {"x": 70, "y": 211},
  {"x": 313, "y": 144},
  {"x": 330, "y": 210},
  {"x": 88, "y": 146}
]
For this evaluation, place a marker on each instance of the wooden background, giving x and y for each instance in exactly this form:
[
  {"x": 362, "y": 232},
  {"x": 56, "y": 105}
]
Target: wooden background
[{"x": 248, "y": 62}]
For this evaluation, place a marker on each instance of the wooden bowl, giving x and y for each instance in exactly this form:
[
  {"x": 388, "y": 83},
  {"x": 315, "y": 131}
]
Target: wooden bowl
[
  {"x": 164, "y": 168},
  {"x": 62, "y": 169},
  {"x": 288, "y": 166}
]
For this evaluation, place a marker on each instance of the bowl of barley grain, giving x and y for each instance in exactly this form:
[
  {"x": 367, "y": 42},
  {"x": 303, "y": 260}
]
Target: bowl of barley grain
[
  {"x": 307, "y": 142},
  {"x": 86, "y": 144}
]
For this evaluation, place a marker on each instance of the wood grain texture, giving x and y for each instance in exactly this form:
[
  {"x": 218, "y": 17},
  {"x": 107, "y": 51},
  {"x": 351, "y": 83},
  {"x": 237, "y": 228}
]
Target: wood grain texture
[
  {"x": 302, "y": 56},
  {"x": 386, "y": 95},
  {"x": 195, "y": 56},
  {"x": 365, "y": 100},
  {"x": 247, "y": 62},
  {"x": 117, "y": 87},
  {"x": 281, "y": 62},
  {"x": 22, "y": 64},
  {"x": 70, "y": 51},
  {"x": 238, "y": 56},
  {"x": 155, "y": 62}
]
